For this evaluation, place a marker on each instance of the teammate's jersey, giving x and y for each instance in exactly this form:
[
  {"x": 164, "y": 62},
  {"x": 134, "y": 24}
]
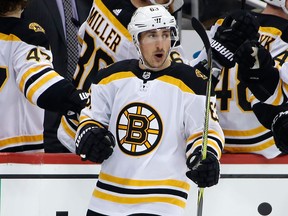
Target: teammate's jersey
[
  {"x": 25, "y": 74},
  {"x": 156, "y": 117},
  {"x": 105, "y": 40},
  {"x": 243, "y": 132}
]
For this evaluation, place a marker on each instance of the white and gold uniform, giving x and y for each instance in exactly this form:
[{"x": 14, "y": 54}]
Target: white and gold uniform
[
  {"x": 105, "y": 40},
  {"x": 27, "y": 82},
  {"x": 156, "y": 118},
  {"x": 243, "y": 132}
]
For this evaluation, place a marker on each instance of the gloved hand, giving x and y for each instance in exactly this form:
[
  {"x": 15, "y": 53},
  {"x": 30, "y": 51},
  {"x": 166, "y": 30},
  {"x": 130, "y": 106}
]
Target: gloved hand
[
  {"x": 235, "y": 29},
  {"x": 280, "y": 130},
  {"x": 94, "y": 143},
  {"x": 204, "y": 173},
  {"x": 78, "y": 100},
  {"x": 202, "y": 66},
  {"x": 256, "y": 69}
]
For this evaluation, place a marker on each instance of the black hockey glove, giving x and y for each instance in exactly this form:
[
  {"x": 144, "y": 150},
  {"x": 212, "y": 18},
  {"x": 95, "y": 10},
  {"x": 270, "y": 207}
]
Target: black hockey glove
[
  {"x": 235, "y": 29},
  {"x": 78, "y": 100},
  {"x": 280, "y": 131},
  {"x": 256, "y": 69},
  {"x": 204, "y": 173},
  {"x": 202, "y": 66},
  {"x": 94, "y": 143}
]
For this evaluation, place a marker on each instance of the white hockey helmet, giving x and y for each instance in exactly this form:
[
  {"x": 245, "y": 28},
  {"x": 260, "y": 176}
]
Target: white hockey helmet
[
  {"x": 278, "y": 3},
  {"x": 165, "y": 5},
  {"x": 152, "y": 17},
  {"x": 149, "y": 18}
]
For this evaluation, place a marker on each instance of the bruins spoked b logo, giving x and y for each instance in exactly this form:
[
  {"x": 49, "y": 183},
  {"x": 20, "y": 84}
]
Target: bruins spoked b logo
[{"x": 139, "y": 129}]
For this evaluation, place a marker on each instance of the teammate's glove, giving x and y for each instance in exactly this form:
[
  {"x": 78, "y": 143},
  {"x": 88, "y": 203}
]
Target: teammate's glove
[
  {"x": 280, "y": 130},
  {"x": 202, "y": 66},
  {"x": 94, "y": 143},
  {"x": 204, "y": 173},
  {"x": 235, "y": 29},
  {"x": 256, "y": 69},
  {"x": 78, "y": 100}
]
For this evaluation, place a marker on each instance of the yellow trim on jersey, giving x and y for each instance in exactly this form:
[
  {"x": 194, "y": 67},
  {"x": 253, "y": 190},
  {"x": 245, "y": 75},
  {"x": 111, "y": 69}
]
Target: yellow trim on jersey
[
  {"x": 28, "y": 73},
  {"x": 271, "y": 30},
  {"x": 9, "y": 37},
  {"x": 117, "y": 76},
  {"x": 210, "y": 133},
  {"x": 6, "y": 77},
  {"x": 249, "y": 149},
  {"x": 176, "y": 82},
  {"x": 21, "y": 139},
  {"x": 113, "y": 19},
  {"x": 138, "y": 200},
  {"x": 82, "y": 124},
  {"x": 144, "y": 183},
  {"x": 66, "y": 127},
  {"x": 40, "y": 82},
  {"x": 245, "y": 133}
]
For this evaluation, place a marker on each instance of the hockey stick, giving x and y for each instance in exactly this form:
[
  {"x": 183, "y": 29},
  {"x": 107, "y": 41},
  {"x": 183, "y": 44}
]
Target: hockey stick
[{"x": 198, "y": 27}]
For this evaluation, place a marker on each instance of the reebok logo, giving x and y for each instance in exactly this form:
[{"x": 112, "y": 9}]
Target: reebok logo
[
  {"x": 222, "y": 50},
  {"x": 117, "y": 11}
]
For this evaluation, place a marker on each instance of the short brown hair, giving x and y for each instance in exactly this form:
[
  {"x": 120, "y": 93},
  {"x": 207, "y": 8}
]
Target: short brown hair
[{"x": 11, "y": 5}]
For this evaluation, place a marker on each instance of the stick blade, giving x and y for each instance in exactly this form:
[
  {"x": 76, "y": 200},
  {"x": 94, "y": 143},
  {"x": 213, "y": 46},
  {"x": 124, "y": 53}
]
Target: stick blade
[{"x": 199, "y": 28}]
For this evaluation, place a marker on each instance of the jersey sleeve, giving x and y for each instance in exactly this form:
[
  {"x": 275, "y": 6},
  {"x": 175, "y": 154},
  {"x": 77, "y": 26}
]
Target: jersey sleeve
[
  {"x": 35, "y": 75},
  {"x": 195, "y": 116}
]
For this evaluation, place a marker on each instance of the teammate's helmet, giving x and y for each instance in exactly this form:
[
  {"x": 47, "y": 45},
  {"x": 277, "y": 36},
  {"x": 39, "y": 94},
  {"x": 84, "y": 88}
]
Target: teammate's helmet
[
  {"x": 165, "y": 5},
  {"x": 278, "y": 3},
  {"x": 152, "y": 17}
]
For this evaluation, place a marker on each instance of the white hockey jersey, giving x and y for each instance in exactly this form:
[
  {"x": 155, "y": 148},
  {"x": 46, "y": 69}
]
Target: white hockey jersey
[
  {"x": 105, "y": 40},
  {"x": 25, "y": 73},
  {"x": 156, "y": 118},
  {"x": 243, "y": 132}
]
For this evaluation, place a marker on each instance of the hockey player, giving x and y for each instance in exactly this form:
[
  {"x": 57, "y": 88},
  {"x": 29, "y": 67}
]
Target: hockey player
[
  {"x": 141, "y": 142},
  {"x": 236, "y": 107},
  {"x": 105, "y": 40},
  {"x": 263, "y": 68},
  {"x": 28, "y": 81}
]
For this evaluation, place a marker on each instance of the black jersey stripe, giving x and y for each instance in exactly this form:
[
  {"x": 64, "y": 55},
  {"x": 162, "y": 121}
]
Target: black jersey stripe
[
  {"x": 120, "y": 190},
  {"x": 250, "y": 141},
  {"x": 23, "y": 148},
  {"x": 33, "y": 78}
]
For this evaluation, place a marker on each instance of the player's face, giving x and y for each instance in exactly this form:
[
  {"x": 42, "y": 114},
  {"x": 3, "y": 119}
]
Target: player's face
[{"x": 155, "y": 46}]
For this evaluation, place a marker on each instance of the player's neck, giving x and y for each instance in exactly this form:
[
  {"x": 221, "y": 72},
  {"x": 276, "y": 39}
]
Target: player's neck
[{"x": 276, "y": 11}]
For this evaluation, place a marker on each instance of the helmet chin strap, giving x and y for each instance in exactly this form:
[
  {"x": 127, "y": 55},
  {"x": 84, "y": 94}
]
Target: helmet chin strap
[{"x": 165, "y": 5}]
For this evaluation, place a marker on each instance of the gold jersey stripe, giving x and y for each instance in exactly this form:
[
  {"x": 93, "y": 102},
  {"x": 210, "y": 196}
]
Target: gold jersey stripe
[
  {"x": 138, "y": 200},
  {"x": 21, "y": 139},
  {"x": 144, "y": 183},
  {"x": 176, "y": 82},
  {"x": 28, "y": 73},
  {"x": 113, "y": 20},
  {"x": 71, "y": 133},
  {"x": 40, "y": 82},
  {"x": 245, "y": 133},
  {"x": 249, "y": 149}
]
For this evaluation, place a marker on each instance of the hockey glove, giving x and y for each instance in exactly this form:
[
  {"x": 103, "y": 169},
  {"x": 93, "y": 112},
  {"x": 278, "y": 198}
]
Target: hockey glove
[
  {"x": 94, "y": 143},
  {"x": 204, "y": 173},
  {"x": 202, "y": 66},
  {"x": 280, "y": 131},
  {"x": 256, "y": 69},
  {"x": 78, "y": 100},
  {"x": 235, "y": 29}
]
